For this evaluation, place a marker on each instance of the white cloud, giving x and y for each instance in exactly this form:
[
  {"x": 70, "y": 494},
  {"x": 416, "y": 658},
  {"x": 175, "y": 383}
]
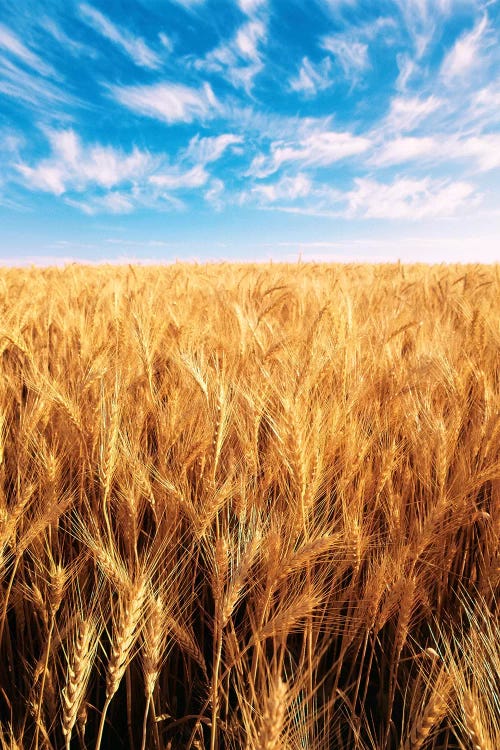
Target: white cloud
[
  {"x": 350, "y": 48},
  {"x": 29, "y": 88},
  {"x": 407, "y": 198},
  {"x": 287, "y": 188},
  {"x": 423, "y": 17},
  {"x": 263, "y": 124},
  {"x": 133, "y": 46},
  {"x": 74, "y": 167},
  {"x": 239, "y": 60},
  {"x": 13, "y": 46},
  {"x": 114, "y": 202},
  {"x": 465, "y": 55},
  {"x": 251, "y": 6},
  {"x": 404, "y": 149},
  {"x": 72, "y": 46},
  {"x": 408, "y": 112},
  {"x": 166, "y": 41},
  {"x": 484, "y": 150},
  {"x": 168, "y": 102},
  {"x": 486, "y": 102},
  {"x": 312, "y": 78},
  {"x": 210, "y": 149},
  {"x": 315, "y": 150},
  {"x": 407, "y": 68},
  {"x": 419, "y": 21},
  {"x": 10, "y": 142},
  {"x": 178, "y": 180},
  {"x": 97, "y": 178},
  {"x": 351, "y": 55},
  {"x": 248, "y": 38},
  {"x": 46, "y": 177},
  {"x": 214, "y": 194},
  {"x": 189, "y": 4},
  {"x": 337, "y": 5}
]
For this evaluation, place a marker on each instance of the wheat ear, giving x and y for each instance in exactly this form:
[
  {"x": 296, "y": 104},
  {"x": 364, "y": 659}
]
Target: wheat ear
[
  {"x": 58, "y": 577},
  {"x": 422, "y": 727},
  {"x": 274, "y": 717},
  {"x": 77, "y": 679},
  {"x": 125, "y": 634},
  {"x": 474, "y": 726},
  {"x": 239, "y": 579},
  {"x": 154, "y": 642}
]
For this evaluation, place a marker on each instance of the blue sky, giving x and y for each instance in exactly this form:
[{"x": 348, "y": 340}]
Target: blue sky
[{"x": 250, "y": 129}]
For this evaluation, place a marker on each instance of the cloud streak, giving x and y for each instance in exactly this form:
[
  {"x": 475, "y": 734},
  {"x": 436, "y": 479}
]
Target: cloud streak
[
  {"x": 239, "y": 60},
  {"x": 466, "y": 54},
  {"x": 209, "y": 149},
  {"x": 43, "y": 95},
  {"x": 315, "y": 150},
  {"x": 408, "y": 199},
  {"x": 75, "y": 167},
  {"x": 12, "y": 45},
  {"x": 168, "y": 102},
  {"x": 352, "y": 56},
  {"x": 97, "y": 178},
  {"x": 313, "y": 78},
  {"x": 135, "y": 47}
]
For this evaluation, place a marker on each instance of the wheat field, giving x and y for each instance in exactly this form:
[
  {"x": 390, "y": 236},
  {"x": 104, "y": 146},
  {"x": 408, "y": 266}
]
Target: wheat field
[{"x": 250, "y": 507}]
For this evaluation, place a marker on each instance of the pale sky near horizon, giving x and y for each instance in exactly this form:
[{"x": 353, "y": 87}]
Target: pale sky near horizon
[{"x": 249, "y": 129}]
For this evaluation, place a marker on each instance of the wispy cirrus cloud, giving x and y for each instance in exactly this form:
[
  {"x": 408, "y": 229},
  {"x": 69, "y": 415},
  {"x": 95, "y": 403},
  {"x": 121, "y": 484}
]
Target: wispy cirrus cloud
[
  {"x": 352, "y": 56},
  {"x": 250, "y": 7},
  {"x": 29, "y": 79},
  {"x": 97, "y": 178},
  {"x": 408, "y": 67},
  {"x": 13, "y": 46},
  {"x": 404, "y": 149},
  {"x": 485, "y": 105},
  {"x": 189, "y": 4},
  {"x": 177, "y": 179},
  {"x": 285, "y": 189},
  {"x": 407, "y": 198},
  {"x": 420, "y": 21},
  {"x": 312, "y": 78},
  {"x": 214, "y": 195},
  {"x": 33, "y": 90},
  {"x": 238, "y": 60},
  {"x": 71, "y": 45},
  {"x": 483, "y": 151},
  {"x": 199, "y": 153},
  {"x": 72, "y": 166},
  {"x": 408, "y": 112},
  {"x": 115, "y": 202},
  {"x": 211, "y": 148},
  {"x": 135, "y": 47},
  {"x": 168, "y": 102},
  {"x": 403, "y": 198},
  {"x": 315, "y": 150},
  {"x": 466, "y": 54},
  {"x": 350, "y": 48},
  {"x": 424, "y": 19}
]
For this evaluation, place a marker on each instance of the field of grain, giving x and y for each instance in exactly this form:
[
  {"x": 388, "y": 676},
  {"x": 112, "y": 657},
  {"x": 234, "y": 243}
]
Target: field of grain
[{"x": 250, "y": 507}]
